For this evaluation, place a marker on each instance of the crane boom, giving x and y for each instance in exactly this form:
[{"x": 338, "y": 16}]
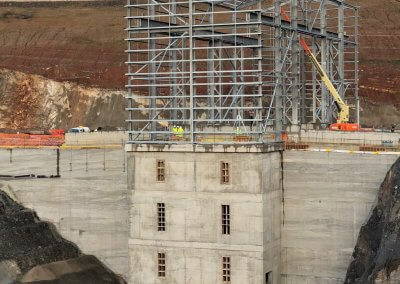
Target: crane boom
[{"x": 344, "y": 109}]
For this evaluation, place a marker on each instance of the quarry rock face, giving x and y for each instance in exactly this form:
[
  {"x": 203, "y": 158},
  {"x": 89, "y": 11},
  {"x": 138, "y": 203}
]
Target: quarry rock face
[
  {"x": 376, "y": 257},
  {"x": 29, "y": 101},
  {"x": 32, "y": 251}
]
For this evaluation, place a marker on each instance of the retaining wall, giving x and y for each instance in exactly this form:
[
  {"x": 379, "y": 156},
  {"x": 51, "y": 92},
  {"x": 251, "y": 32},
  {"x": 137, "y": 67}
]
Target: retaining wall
[
  {"x": 338, "y": 137},
  {"x": 88, "y": 204},
  {"x": 327, "y": 197},
  {"x": 117, "y": 138}
]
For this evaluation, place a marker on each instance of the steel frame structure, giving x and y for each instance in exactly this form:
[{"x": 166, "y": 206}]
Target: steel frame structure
[{"x": 232, "y": 71}]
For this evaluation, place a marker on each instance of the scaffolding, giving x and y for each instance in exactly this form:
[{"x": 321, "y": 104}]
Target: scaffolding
[{"x": 229, "y": 72}]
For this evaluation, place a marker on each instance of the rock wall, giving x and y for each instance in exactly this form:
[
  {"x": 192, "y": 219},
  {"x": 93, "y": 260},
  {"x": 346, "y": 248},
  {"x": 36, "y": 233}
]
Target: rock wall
[
  {"x": 34, "y": 102},
  {"x": 376, "y": 257},
  {"x": 32, "y": 251}
]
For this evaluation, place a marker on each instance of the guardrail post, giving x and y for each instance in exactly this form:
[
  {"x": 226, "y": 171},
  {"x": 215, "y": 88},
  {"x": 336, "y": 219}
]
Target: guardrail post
[
  {"x": 58, "y": 162},
  {"x": 10, "y": 155}
]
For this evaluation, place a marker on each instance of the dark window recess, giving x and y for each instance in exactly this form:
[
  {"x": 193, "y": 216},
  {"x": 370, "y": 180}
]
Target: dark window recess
[
  {"x": 268, "y": 278},
  {"x": 224, "y": 173},
  {"x": 226, "y": 269},
  {"x": 160, "y": 170},
  {"x": 161, "y": 216},
  {"x": 226, "y": 220},
  {"x": 161, "y": 264}
]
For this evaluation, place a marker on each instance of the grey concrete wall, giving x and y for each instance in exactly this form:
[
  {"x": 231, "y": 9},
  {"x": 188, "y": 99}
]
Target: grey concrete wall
[
  {"x": 88, "y": 204},
  {"x": 327, "y": 197},
  {"x": 100, "y": 138},
  {"x": 340, "y": 137},
  {"x": 193, "y": 196}
]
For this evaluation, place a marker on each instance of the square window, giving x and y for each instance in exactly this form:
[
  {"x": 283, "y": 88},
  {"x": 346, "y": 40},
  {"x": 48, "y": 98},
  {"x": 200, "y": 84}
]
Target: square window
[
  {"x": 161, "y": 217},
  {"x": 161, "y": 264},
  {"x": 160, "y": 170},
  {"x": 226, "y": 269},
  {"x": 224, "y": 173},
  {"x": 226, "y": 219}
]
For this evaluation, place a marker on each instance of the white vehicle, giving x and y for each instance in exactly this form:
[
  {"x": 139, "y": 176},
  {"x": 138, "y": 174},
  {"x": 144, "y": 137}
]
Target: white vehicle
[{"x": 79, "y": 129}]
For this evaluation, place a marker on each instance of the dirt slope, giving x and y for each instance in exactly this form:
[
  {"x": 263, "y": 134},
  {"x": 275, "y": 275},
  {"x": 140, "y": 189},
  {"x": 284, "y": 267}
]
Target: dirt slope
[
  {"x": 380, "y": 61},
  {"x": 35, "y": 102},
  {"x": 83, "y": 43}
]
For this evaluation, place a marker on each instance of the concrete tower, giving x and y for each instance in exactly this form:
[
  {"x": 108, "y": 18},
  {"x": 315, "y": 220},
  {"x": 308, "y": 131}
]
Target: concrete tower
[{"x": 205, "y": 214}]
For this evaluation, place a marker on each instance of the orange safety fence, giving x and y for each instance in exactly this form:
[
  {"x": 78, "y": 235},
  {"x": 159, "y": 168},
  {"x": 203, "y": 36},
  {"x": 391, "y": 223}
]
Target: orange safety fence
[
  {"x": 296, "y": 146},
  {"x": 31, "y": 140},
  {"x": 377, "y": 149},
  {"x": 9, "y": 135}
]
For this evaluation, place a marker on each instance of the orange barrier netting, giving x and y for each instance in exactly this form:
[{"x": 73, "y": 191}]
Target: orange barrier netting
[{"x": 30, "y": 140}]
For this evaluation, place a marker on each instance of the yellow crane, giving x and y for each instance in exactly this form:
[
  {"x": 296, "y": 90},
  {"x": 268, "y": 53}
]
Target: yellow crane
[{"x": 342, "y": 123}]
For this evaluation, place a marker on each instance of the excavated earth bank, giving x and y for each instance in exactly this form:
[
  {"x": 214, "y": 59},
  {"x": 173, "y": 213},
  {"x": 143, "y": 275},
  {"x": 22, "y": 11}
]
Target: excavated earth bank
[
  {"x": 83, "y": 42},
  {"x": 376, "y": 257},
  {"x": 32, "y": 251}
]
